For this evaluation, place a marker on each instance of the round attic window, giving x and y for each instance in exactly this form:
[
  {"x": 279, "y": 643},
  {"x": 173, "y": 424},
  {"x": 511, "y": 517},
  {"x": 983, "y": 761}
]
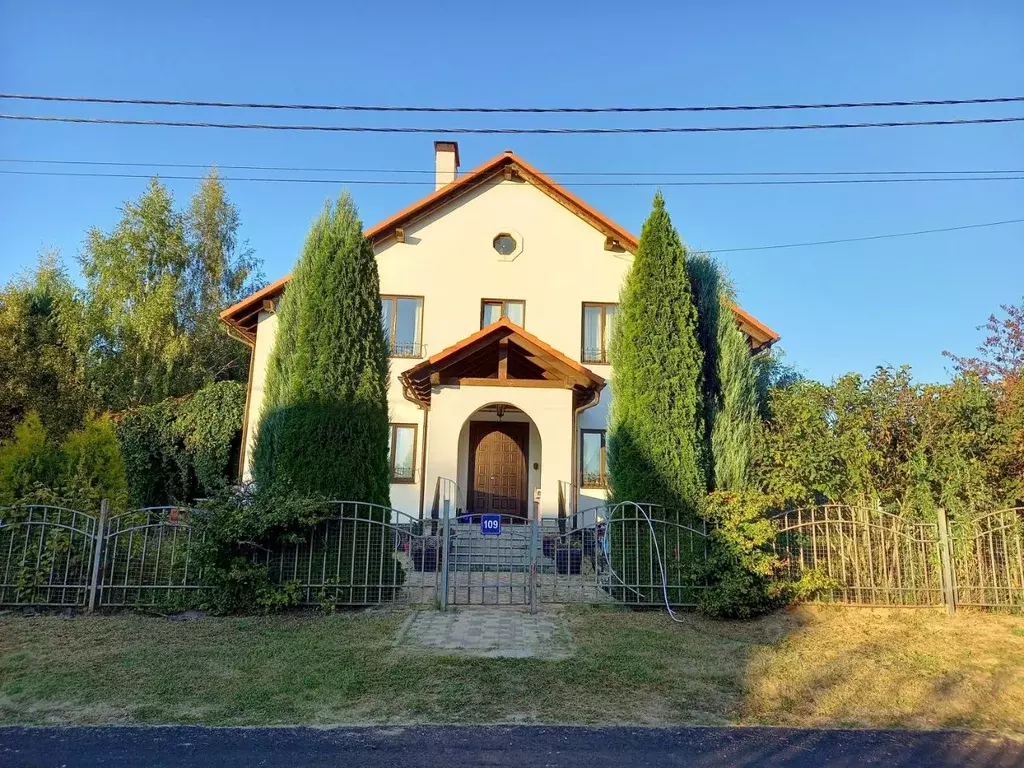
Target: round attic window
[{"x": 505, "y": 244}]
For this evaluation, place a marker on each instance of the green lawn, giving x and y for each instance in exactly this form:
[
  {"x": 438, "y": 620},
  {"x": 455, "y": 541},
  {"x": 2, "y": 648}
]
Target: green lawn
[{"x": 823, "y": 667}]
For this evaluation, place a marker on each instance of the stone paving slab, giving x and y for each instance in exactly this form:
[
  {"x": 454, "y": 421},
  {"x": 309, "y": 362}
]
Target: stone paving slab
[{"x": 487, "y": 632}]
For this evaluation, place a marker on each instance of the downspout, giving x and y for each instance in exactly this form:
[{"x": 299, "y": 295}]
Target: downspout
[
  {"x": 595, "y": 398},
  {"x": 423, "y": 453}
]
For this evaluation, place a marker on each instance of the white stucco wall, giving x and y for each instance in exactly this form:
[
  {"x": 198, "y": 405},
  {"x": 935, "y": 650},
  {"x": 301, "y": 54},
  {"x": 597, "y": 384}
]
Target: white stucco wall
[
  {"x": 448, "y": 258},
  {"x": 266, "y": 330}
]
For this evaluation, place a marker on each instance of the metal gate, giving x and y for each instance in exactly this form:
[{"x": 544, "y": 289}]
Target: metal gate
[{"x": 638, "y": 554}]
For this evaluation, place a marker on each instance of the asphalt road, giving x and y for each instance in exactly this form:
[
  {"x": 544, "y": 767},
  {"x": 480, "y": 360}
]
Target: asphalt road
[{"x": 472, "y": 746}]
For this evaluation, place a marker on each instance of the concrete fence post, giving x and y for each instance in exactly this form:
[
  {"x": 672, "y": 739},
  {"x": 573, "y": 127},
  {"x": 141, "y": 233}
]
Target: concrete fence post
[
  {"x": 946, "y": 561},
  {"x": 97, "y": 553}
]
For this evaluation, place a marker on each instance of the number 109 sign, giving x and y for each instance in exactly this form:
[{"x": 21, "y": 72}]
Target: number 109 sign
[{"x": 490, "y": 525}]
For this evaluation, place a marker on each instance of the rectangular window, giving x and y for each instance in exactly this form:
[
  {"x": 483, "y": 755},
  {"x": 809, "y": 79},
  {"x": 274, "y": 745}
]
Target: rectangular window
[
  {"x": 598, "y": 324},
  {"x": 402, "y": 453},
  {"x": 402, "y": 317},
  {"x": 492, "y": 310},
  {"x": 593, "y": 464}
]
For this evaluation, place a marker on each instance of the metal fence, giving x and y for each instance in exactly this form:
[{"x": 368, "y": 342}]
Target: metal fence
[
  {"x": 627, "y": 553},
  {"x": 862, "y": 556},
  {"x": 988, "y": 561},
  {"x": 46, "y": 555},
  {"x": 147, "y": 558},
  {"x": 632, "y": 553},
  {"x": 362, "y": 554}
]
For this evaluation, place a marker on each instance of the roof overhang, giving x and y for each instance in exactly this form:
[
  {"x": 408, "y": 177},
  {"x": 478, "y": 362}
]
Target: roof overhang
[{"x": 500, "y": 355}]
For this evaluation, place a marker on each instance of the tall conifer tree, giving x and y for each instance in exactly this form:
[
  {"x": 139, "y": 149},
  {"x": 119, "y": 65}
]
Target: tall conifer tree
[
  {"x": 324, "y": 426},
  {"x": 657, "y": 424}
]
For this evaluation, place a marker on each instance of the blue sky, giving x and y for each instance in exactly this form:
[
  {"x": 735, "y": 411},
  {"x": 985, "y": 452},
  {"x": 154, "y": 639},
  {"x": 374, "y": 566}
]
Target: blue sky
[{"x": 839, "y": 308}]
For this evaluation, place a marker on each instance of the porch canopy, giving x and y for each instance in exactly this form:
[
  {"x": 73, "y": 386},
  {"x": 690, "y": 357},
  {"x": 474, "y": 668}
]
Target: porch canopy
[{"x": 501, "y": 354}]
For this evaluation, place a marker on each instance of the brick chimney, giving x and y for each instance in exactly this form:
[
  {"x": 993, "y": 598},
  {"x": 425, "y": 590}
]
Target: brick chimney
[{"x": 446, "y": 163}]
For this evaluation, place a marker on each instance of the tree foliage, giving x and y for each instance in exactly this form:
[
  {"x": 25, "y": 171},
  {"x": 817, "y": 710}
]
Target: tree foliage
[
  {"x": 42, "y": 365},
  {"x": 730, "y": 380},
  {"x": 887, "y": 440},
  {"x": 182, "y": 448},
  {"x": 77, "y": 472},
  {"x": 656, "y": 431},
  {"x": 324, "y": 426},
  {"x": 154, "y": 286}
]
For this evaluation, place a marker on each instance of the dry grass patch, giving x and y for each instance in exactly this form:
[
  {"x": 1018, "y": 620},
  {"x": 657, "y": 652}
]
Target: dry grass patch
[{"x": 877, "y": 668}]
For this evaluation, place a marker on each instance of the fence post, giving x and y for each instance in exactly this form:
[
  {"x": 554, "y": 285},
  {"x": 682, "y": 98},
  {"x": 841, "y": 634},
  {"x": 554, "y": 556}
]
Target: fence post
[
  {"x": 97, "y": 554},
  {"x": 445, "y": 554},
  {"x": 945, "y": 558},
  {"x": 534, "y": 540}
]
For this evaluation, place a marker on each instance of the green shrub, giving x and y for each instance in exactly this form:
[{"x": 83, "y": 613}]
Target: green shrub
[
  {"x": 27, "y": 461},
  {"x": 741, "y": 563},
  {"x": 209, "y": 424},
  {"x": 154, "y": 457},
  {"x": 91, "y": 461},
  {"x": 179, "y": 449},
  {"x": 78, "y": 474},
  {"x": 243, "y": 534}
]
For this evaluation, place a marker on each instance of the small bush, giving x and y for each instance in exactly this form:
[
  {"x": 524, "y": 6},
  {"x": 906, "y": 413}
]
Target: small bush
[
  {"x": 27, "y": 461},
  {"x": 91, "y": 461},
  {"x": 741, "y": 563},
  {"x": 243, "y": 532}
]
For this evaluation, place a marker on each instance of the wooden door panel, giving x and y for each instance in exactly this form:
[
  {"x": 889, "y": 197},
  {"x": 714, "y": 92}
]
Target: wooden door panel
[{"x": 498, "y": 467}]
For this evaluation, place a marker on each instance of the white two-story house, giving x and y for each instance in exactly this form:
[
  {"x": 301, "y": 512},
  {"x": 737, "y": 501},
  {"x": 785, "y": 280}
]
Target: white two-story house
[{"x": 499, "y": 294}]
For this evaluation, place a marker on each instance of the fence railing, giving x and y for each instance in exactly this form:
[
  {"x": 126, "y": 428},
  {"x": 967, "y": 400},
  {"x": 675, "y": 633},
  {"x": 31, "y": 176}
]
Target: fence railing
[
  {"x": 863, "y": 556},
  {"x": 46, "y": 555},
  {"x": 640, "y": 554},
  {"x": 988, "y": 560}
]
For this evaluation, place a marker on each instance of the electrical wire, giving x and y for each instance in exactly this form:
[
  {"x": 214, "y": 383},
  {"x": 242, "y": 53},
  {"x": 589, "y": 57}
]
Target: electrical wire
[
  {"x": 407, "y": 182},
  {"x": 867, "y": 238},
  {"x": 511, "y": 131},
  {"x": 509, "y": 110},
  {"x": 431, "y": 171}
]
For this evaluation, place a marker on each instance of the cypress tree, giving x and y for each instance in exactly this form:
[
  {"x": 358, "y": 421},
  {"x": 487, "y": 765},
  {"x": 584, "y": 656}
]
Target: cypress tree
[
  {"x": 706, "y": 284},
  {"x": 730, "y": 394},
  {"x": 324, "y": 426},
  {"x": 657, "y": 424},
  {"x": 736, "y": 420}
]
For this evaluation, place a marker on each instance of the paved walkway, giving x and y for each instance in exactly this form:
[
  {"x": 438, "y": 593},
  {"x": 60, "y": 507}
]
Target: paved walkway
[
  {"x": 498, "y": 746},
  {"x": 488, "y": 632}
]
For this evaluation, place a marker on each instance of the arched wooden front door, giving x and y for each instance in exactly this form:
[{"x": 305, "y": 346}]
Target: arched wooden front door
[{"x": 498, "y": 453}]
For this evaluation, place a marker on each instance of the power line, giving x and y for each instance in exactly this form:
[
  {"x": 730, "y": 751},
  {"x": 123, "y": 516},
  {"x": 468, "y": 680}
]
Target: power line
[
  {"x": 408, "y": 182},
  {"x": 431, "y": 171},
  {"x": 865, "y": 239},
  {"x": 508, "y": 110},
  {"x": 510, "y": 131}
]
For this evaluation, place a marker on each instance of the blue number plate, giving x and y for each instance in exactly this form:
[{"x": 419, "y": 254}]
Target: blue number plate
[{"x": 490, "y": 525}]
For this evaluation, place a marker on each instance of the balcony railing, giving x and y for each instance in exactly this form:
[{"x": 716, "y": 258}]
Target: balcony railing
[
  {"x": 406, "y": 348},
  {"x": 597, "y": 355}
]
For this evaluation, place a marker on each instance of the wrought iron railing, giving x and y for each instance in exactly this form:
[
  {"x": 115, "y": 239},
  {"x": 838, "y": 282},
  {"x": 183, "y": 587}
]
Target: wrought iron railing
[{"x": 640, "y": 554}]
